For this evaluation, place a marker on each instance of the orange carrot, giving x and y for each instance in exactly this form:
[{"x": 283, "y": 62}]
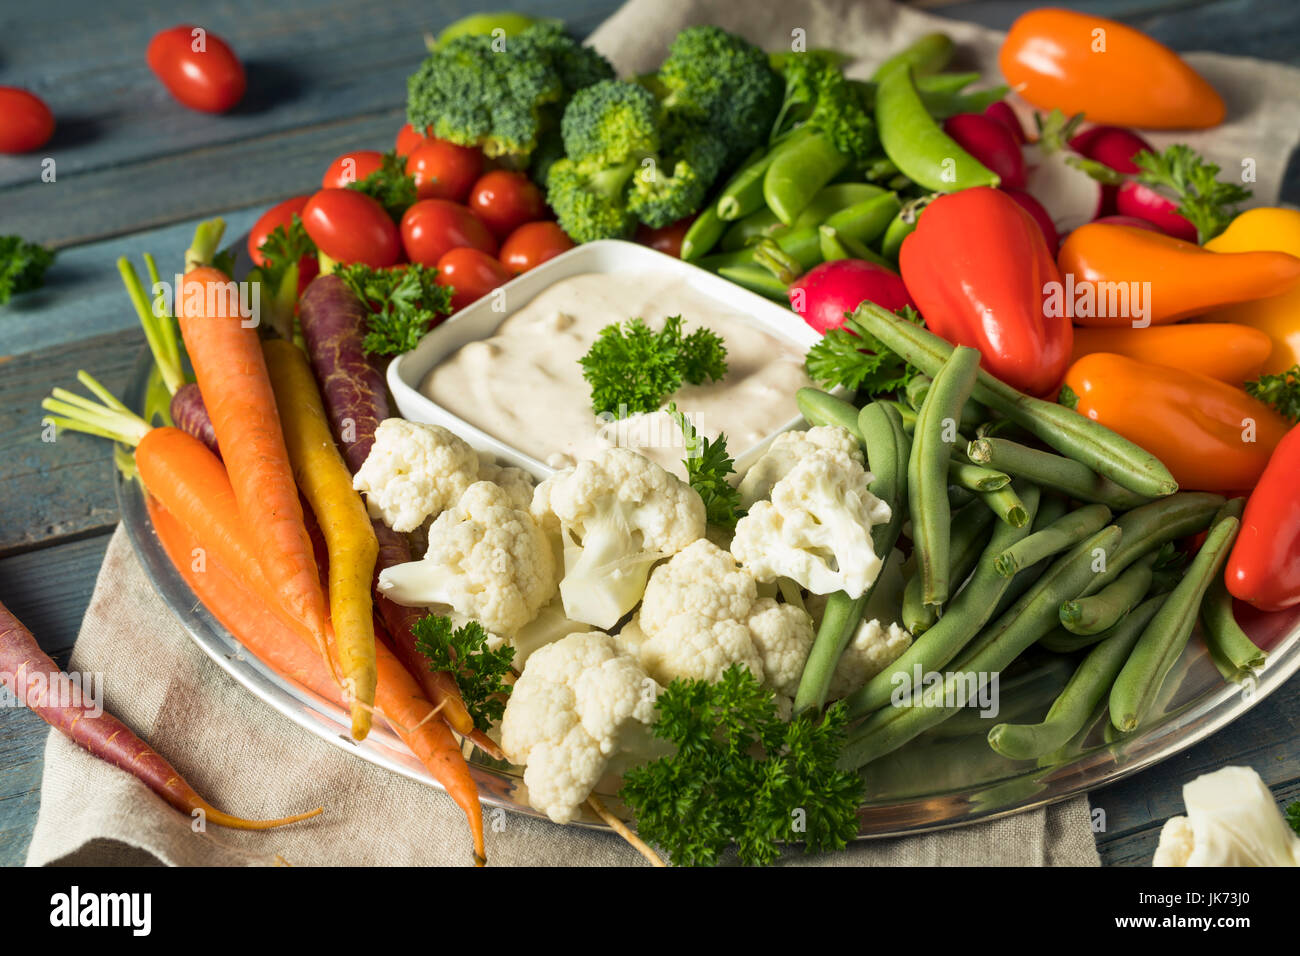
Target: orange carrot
[
  {"x": 51, "y": 694},
  {"x": 282, "y": 644},
  {"x": 231, "y": 373}
]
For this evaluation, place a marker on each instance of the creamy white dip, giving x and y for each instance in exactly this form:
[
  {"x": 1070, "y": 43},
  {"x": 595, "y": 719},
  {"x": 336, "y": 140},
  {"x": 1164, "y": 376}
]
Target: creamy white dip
[{"x": 524, "y": 386}]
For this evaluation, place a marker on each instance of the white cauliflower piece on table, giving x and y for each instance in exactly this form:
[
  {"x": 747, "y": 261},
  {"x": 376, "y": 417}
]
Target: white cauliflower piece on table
[
  {"x": 518, "y": 484},
  {"x": 816, "y": 529},
  {"x": 487, "y": 559},
  {"x": 1232, "y": 820},
  {"x": 701, "y": 614},
  {"x": 790, "y": 448},
  {"x": 569, "y": 714},
  {"x": 617, "y": 514},
  {"x": 414, "y": 471}
]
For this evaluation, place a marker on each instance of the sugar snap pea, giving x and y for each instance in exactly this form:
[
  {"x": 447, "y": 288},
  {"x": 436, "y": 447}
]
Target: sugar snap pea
[
  {"x": 927, "y": 470},
  {"x": 1053, "y": 471},
  {"x": 1223, "y": 634},
  {"x": 1098, "y": 612},
  {"x": 835, "y": 245},
  {"x": 743, "y": 193},
  {"x": 1089, "y": 685},
  {"x": 703, "y": 234},
  {"x": 749, "y": 230},
  {"x": 929, "y": 53},
  {"x": 1064, "y": 429},
  {"x": 1164, "y": 638},
  {"x": 831, "y": 199},
  {"x": 757, "y": 279},
  {"x": 797, "y": 173},
  {"x": 1064, "y": 533},
  {"x": 866, "y": 219}
]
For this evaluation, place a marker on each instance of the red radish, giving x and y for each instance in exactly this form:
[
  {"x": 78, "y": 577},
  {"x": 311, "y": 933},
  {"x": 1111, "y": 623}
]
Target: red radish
[
  {"x": 1143, "y": 202},
  {"x": 991, "y": 143},
  {"x": 826, "y": 292},
  {"x": 1004, "y": 114},
  {"x": 1113, "y": 146},
  {"x": 1035, "y": 209},
  {"x": 1131, "y": 221}
]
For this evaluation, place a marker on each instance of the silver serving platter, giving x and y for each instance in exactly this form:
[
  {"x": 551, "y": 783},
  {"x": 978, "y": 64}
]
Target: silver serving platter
[{"x": 946, "y": 778}]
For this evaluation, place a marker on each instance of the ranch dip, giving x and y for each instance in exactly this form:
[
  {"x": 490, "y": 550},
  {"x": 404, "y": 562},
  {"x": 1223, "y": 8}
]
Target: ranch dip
[{"x": 524, "y": 386}]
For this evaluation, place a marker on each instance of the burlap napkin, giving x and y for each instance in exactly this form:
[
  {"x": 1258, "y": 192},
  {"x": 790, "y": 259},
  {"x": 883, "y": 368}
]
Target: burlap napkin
[{"x": 249, "y": 760}]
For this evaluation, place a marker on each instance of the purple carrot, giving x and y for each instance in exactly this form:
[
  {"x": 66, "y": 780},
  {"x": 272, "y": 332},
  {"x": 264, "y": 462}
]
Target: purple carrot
[{"x": 191, "y": 415}]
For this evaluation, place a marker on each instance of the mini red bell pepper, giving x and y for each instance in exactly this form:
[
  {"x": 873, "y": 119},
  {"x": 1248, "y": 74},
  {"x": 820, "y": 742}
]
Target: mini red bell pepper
[
  {"x": 1264, "y": 567},
  {"x": 978, "y": 268}
]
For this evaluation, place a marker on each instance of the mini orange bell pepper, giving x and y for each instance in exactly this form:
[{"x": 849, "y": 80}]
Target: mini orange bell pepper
[
  {"x": 1277, "y": 316},
  {"x": 1182, "y": 278},
  {"x": 1059, "y": 59},
  {"x": 1230, "y": 353},
  {"x": 1211, "y": 436}
]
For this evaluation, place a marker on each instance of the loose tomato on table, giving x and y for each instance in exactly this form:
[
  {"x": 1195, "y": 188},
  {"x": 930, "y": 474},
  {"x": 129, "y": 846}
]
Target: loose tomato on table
[
  {"x": 408, "y": 137},
  {"x": 505, "y": 200},
  {"x": 349, "y": 226},
  {"x": 198, "y": 68},
  {"x": 443, "y": 170},
  {"x": 26, "y": 123},
  {"x": 433, "y": 226},
  {"x": 666, "y": 239},
  {"x": 352, "y": 167},
  {"x": 471, "y": 274},
  {"x": 532, "y": 244}
]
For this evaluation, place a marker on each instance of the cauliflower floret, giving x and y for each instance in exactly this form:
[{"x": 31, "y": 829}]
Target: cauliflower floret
[
  {"x": 618, "y": 513},
  {"x": 549, "y": 626},
  {"x": 790, "y": 448},
  {"x": 1232, "y": 820},
  {"x": 873, "y": 648},
  {"x": 568, "y": 715},
  {"x": 816, "y": 529},
  {"x": 414, "y": 471},
  {"x": 486, "y": 559},
  {"x": 702, "y": 613},
  {"x": 518, "y": 484}
]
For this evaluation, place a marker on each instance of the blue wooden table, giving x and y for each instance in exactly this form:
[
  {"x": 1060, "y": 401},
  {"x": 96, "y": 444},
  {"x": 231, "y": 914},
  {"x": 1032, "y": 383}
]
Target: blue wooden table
[{"x": 134, "y": 172}]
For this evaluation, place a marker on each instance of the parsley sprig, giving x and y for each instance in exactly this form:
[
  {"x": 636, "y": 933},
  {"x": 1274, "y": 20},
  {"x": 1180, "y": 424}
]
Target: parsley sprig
[
  {"x": 1292, "y": 814},
  {"x": 852, "y": 357},
  {"x": 742, "y": 775},
  {"x": 403, "y": 304},
  {"x": 1206, "y": 203},
  {"x": 283, "y": 248},
  {"x": 707, "y": 467},
  {"x": 22, "y": 266},
  {"x": 630, "y": 367},
  {"x": 1280, "y": 390},
  {"x": 389, "y": 185},
  {"x": 463, "y": 653}
]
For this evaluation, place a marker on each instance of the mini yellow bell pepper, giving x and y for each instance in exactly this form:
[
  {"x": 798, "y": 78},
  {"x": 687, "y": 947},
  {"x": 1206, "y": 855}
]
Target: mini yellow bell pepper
[{"x": 1256, "y": 230}]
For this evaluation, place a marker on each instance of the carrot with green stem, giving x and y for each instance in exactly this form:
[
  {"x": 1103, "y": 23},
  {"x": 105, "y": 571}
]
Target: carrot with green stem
[
  {"x": 349, "y": 539},
  {"x": 231, "y": 372},
  {"x": 52, "y": 695}
]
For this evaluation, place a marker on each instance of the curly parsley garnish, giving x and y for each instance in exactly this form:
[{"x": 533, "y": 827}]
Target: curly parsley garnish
[
  {"x": 631, "y": 368},
  {"x": 403, "y": 304},
  {"x": 462, "y": 652}
]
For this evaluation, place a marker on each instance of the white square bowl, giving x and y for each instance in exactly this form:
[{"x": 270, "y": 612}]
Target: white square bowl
[{"x": 613, "y": 256}]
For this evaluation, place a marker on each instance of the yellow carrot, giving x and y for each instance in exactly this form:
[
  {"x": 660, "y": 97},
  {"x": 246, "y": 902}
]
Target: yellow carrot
[{"x": 349, "y": 538}]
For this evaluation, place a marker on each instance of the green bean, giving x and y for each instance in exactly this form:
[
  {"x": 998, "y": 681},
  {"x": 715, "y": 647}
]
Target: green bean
[
  {"x": 1053, "y": 471},
  {"x": 1090, "y": 685},
  {"x": 796, "y": 174},
  {"x": 757, "y": 279},
  {"x": 916, "y": 389},
  {"x": 1062, "y": 534},
  {"x": 864, "y": 221},
  {"x": 959, "y": 497},
  {"x": 1062, "y": 428},
  {"x": 975, "y": 477},
  {"x": 965, "y": 615},
  {"x": 1050, "y": 510},
  {"x": 970, "y": 531},
  {"x": 1028, "y": 692},
  {"x": 1000, "y": 644},
  {"x": 908, "y": 414},
  {"x": 743, "y": 193},
  {"x": 835, "y": 245},
  {"x": 927, "y": 54},
  {"x": 833, "y": 198},
  {"x": 1150, "y": 526},
  {"x": 823, "y": 408},
  {"x": 917, "y": 144},
  {"x": 703, "y": 234},
  {"x": 1223, "y": 634},
  {"x": 1101, "y": 611},
  {"x": 1060, "y": 641},
  {"x": 887, "y": 453},
  {"x": 745, "y": 232},
  {"x": 927, "y": 470},
  {"x": 1006, "y": 504},
  {"x": 1165, "y": 637},
  {"x": 1002, "y": 428},
  {"x": 882, "y": 167},
  {"x": 769, "y": 254}
]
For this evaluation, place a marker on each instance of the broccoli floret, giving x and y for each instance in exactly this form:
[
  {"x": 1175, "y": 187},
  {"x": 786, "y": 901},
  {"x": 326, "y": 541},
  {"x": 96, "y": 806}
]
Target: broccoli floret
[
  {"x": 501, "y": 95},
  {"x": 611, "y": 122},
  {"x": 818, "y": 94},
  {"x": 676, "y": 185},
  {"x": 724, "y": 83},
  {"x": 590, "y": 199}
]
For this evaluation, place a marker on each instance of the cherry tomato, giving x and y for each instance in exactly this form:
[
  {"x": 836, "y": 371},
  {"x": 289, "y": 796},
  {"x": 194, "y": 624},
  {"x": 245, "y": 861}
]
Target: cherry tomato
[
  {"x": 506, "y": 200},
  {"x": 532, "y": 244},
  {"x": 197, "y": 67},
  {"x": 433, "y": 226},
  {"x": 281, "y": 214},
  {"x": 443, "y": 170},
  {"x": 471, "y": 273},
  {"x": 666, "y": 239},
  {"x": 351, "y": 168},
  {"x": 349, "y": 226},
  {"x": 26, "y": 123},
  {"x": 407, "y": 140}
]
